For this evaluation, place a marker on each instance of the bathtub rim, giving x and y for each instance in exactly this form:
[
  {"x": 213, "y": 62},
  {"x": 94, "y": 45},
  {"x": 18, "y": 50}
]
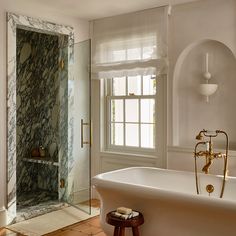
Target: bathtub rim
[{"x": 99, "y": 183}]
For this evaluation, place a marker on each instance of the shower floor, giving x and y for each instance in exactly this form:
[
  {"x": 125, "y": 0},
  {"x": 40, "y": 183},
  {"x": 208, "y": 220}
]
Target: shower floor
[{"x": 37, "y": 203}]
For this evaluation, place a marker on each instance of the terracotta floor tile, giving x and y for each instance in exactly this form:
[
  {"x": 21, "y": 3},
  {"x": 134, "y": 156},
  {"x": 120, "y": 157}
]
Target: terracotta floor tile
[
  {"x": 87, "y": 228},
  {"x": 69, "y": 233},
  {"x": 79, "y": 227},
  {"x": 100, "y": 234},
  {"x": 95, "y": 222},
  {"x": 6, "y": 232},
  {"x": 54, "y": 232}
]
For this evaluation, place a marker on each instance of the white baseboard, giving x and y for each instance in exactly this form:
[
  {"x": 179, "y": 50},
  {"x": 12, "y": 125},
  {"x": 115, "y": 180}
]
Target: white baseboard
[
  {"x": 94, "y": 193},
  {"x": 81, "y": 195},
  {"x": 3, "y": 217}
]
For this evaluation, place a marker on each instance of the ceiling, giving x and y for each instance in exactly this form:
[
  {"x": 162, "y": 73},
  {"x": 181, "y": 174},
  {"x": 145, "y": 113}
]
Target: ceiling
[{"x": 94, "y": 9}]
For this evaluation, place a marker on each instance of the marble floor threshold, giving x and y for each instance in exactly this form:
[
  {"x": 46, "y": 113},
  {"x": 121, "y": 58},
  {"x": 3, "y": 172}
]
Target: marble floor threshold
[
  {"x": 90, "y": 227},
  {"x": 38, "y": 210},
  {"x": 32, "y": 204}
]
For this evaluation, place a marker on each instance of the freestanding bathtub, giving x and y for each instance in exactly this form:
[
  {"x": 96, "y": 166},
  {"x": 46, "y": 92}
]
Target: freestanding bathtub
[{"x": 169, "y": 202}]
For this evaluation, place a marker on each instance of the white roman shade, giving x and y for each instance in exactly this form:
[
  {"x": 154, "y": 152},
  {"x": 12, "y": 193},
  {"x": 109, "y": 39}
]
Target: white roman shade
[{"x": 130, "y": 44}]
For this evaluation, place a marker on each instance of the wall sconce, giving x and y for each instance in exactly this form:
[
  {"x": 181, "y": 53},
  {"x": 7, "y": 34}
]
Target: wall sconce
[{"x": 207, "y": 89}]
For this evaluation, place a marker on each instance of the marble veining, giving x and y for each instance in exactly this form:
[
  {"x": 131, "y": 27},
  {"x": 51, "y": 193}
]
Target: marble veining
[
  {"x": 15, "y": 22},
  {"x": 42, "y": 160},
  {"x": 38, "y": 107},
  {"x": 37, "y": 203}
]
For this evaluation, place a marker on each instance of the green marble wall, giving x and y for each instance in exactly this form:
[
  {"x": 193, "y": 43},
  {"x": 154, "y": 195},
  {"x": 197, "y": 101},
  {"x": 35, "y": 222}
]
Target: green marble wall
[{"x": 38, "y": 109}]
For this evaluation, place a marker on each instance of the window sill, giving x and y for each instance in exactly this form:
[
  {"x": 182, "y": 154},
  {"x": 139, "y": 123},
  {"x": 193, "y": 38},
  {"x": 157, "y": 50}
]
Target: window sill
[{"x": 107, "y": 153}]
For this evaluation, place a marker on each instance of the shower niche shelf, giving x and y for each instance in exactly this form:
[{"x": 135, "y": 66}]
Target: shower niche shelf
[{"x": 41, "y": 160}]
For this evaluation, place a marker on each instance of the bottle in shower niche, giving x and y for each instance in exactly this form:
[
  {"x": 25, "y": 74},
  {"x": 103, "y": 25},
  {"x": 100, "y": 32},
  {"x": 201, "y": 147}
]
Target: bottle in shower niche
[{"x": 42, "y": 151}]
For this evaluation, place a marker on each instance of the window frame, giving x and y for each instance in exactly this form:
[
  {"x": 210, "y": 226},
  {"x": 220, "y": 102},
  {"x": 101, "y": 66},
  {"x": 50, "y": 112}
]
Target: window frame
[{"x": 107, "y": 114}]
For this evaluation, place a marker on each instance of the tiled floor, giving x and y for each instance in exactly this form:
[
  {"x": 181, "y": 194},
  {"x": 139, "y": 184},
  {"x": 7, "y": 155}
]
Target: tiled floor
[
  {"x": 86, "y": 228},
  {"x": 90, "y": 227},
  {"x": 4, "y": 232}
]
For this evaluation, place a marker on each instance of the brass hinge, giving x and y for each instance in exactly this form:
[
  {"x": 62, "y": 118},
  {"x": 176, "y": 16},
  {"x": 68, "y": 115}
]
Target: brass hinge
[
  {"x": 62, "y": 64},
  {"x": 62, "y": 183}
]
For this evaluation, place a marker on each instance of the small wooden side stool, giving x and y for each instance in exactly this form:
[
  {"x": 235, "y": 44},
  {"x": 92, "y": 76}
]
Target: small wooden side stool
[{"x": 121, "y": 224}]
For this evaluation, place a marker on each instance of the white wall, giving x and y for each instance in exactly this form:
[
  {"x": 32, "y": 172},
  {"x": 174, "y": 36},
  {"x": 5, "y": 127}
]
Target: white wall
[
  {"x": 81, "y": 28},
  {"x": 188, "y": 23},
  {"x": 191, "y": 23},
  {"x": 194, "y": 112}
]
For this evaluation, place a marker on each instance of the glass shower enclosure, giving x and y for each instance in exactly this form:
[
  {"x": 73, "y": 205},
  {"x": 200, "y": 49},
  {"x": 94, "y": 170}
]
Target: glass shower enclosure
[{"x": 75, "y": 127}]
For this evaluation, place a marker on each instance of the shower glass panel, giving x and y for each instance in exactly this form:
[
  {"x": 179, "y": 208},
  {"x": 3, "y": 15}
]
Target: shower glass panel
[{"x": 75, "y": 171}]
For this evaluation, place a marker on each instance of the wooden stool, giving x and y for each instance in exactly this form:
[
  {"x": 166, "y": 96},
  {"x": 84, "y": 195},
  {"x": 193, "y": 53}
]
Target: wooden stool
[{"x": 121, "y": 224}]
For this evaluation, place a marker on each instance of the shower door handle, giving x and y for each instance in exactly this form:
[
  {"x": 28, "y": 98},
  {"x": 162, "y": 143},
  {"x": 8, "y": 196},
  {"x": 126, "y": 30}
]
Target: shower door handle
[{"x": 82, "y": 124}]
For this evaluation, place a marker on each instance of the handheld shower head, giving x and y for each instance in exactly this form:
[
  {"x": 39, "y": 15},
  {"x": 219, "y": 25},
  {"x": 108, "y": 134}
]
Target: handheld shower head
[{"x": 199, "y": 136}]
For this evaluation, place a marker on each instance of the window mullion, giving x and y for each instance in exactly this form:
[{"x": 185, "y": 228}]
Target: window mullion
[
  {"x": 124, "y": 126},
  {"x": 109, "y": 121},
  {"x": 126, "y": 93},
  {"x": 111, "y": 92},
  {"x": 133, "y": 97},
  {"x": 126, "y": 86},
  {"x": 142, "y": 85},
  {"x": 139, "y": 120}
]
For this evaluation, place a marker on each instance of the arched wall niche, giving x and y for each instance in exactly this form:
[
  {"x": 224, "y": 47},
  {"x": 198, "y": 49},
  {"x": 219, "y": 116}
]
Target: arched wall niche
[{"x": 190, "y": 111}]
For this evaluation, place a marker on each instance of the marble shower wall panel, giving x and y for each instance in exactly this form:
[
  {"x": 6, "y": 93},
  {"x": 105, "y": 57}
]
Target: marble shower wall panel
[
  {"x": 15, "y": 22},
  {"x": 37, "y": 104}
]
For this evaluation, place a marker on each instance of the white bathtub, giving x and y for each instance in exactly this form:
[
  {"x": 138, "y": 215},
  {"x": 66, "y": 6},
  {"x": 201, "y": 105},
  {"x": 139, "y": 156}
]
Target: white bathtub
[{"x": 169, "y": 202}]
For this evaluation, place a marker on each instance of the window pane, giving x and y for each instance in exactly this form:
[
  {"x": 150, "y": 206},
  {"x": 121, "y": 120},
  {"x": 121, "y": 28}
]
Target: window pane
[
  {"x": 149, "y": 85},
  {"x": 148, "y": 52},
  {"x": 134, "y": 85},
  {"x": 147, "y": 110},
  {"x": 131, "y": 110},
  {"x": 117, "y": 110},
  {"x": 132, "y": 135},
  {"x": 119, "y": 86},
  {"x": 117, "y": 134},
  {"x": 134, "y": 53},
  {"x": 147, "y": 136},
  {"x": 118, "y": 55}
]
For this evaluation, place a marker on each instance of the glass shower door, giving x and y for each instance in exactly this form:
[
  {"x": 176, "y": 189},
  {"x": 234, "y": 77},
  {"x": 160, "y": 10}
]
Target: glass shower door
[{"x": 77, "y": 176}]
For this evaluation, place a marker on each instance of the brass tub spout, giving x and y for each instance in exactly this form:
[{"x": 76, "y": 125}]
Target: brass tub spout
[{"x": 206, "y": 168}]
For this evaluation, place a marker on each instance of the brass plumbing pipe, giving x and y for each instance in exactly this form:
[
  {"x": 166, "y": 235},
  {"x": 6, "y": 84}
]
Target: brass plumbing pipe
[
  {"x": 195, "y": 157},
  {"x": 225, "y": 160}
]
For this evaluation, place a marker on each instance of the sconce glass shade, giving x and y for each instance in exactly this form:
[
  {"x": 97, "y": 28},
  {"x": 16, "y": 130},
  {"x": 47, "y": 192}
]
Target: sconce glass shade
[{"x": 208, "y": 89}]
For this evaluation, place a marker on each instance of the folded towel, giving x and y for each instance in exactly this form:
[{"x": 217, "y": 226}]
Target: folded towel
[
  {"x": 125, "y": 216},
  {"x": 124, "y": 210}
]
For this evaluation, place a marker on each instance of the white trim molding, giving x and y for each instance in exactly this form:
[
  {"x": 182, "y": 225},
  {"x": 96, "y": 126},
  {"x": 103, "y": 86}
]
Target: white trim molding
[
  {"x": 182, "y": 158},
  {"x": 3, "y": 218}
]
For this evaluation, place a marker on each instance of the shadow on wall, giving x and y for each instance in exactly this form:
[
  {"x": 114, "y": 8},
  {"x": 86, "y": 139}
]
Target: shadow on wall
[{"x": 191, "y": 112}]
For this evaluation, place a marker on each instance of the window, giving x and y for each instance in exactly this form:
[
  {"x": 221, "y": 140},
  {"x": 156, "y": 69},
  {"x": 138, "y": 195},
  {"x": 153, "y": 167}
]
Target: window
[
  {"x": 131, "y": 103},
  {"x": 129, "y": 55}
]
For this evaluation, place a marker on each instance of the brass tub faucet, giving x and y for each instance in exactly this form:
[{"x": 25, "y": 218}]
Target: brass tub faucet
[{"x": 210, "y": 155}]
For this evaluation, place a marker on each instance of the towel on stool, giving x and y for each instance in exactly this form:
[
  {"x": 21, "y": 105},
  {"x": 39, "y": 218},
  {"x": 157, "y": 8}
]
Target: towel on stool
[
  {"x": 124, "y": 210},
  {"x": 125, "y": 216}
]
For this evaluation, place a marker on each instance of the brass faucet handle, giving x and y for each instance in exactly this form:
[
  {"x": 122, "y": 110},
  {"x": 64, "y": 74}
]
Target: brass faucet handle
[
  {"x": 200, "y": 154},
  {"x": 219, "y": 155}
]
